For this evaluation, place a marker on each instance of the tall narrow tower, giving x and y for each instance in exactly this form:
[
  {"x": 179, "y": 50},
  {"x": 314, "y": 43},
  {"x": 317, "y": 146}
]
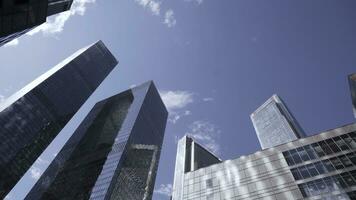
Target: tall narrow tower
[
  {"x": 274, "y": 124},
  {"x": 17, "y": 17},
  {"x": 113, "y": 154},
  {"x": 33, "y": 117},
  {"x": 352, "y": 82}
]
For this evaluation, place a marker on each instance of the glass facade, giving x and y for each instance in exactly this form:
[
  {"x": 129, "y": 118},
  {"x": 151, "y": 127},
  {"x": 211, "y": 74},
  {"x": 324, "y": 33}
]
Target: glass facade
[
  {"x": 322, "y": 166},
  {"x": 32, "y": 117},
  {"x": 20, "y": 16},
  {"x": 352, "y": 82},
  {"x": 113, "y": 154},
  {"x": 274, "y": 124}
]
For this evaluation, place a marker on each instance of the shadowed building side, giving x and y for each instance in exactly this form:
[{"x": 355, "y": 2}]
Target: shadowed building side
[
  {"x": 31, "y": 118},
  {"x": 17, "y": 17},
  {"x": 113, "y": 154}
]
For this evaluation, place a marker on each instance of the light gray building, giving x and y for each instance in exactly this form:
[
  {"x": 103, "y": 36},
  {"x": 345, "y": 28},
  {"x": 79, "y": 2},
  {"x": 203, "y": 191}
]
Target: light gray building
[
  {"x": 322, "y": 166},
  {"x": 352, "y": 82},
  {"x": 274, "y": 124}
]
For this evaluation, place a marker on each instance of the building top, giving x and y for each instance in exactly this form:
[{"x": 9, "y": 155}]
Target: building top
[
  {"x": 19, "y": 94},
  {"x": 274, "y": 124},
  {"x": 58, "y": 6}
]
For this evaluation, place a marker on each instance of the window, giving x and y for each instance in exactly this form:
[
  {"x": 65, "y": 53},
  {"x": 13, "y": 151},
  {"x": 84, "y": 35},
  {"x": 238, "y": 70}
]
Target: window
[
  {"x": 352, "y": 157},
  {"x": 337, "y": 163},
  {"x": 349, "y": 141},
  {"x": 348, "y": 179},
  {"x": 328, "y": 165},
  {"x": 295, "y": 156},
  {"x": 311, "y": 153},
  {"x": 325, "y": 147},
  {"x": 318, "y": 149},
  {"x": 304, "y": 172},
  {"x": 288, "y": 158},
  {"x": 345, "y": 161},
  {"x": 312, "y": 170},
  {"x": 303, "y": 154},
  {"x": 304, "y": 189},
  {"x": 296, "y": 174},
  {"x": 209, "y": 183},
  {"x": 332, "y": 145},
  {"x": 340, "y": 142},
  {"x": 320, "y": 167}
]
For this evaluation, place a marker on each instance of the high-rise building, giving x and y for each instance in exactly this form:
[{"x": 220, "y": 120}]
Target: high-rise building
[
  {"x": 322, "y": 166},
  {"x": 352, "y": 82},
  {"x": 113, "y": 154},
  {"x": 17, "y": 17},
  {"x": 31, "y": 118},
  {"x": 190, "y": 157},
  {"x": 274, "y": 124}
]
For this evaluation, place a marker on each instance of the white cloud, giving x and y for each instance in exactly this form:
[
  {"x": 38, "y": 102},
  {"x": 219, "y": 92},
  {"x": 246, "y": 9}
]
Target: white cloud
[
  {"x": 208, "y": 99},
  {"x": 165, "y": 189},
  {"x": 153, "y": 6},
  {"x": 35, "y": 173},
  {"x": 55, "y": 24},
  {"x": 205, "y": 133},
  {"x": 197, "y": 1},
  {"x": 176, "y": 99},
  {"x": 13, "y": 43},
  {"x": 169, "y": 18}
]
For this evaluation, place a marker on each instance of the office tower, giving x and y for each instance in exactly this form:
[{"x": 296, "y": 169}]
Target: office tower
[
  {"x": 322, "y": 166},
  {"x": 32, "y": 117},
  {"x": 17, "y": 17},
  {"x": 190, "y": 157},
  {"x": 352, "y": 82},
  {"x": 274, "y": 124},
  {"x": 113, "y": 154}
]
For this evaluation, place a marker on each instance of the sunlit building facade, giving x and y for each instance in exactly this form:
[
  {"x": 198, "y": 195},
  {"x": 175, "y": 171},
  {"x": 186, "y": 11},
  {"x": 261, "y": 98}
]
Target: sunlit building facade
[
  {"x": 31, "y": 118},
  {"x": 352, "y": 82},
  {"x": 113, "y": 154},
  {"x": 17, "y": 17},
  {"x": 274, "y": 124},
  {"x": 322, "y": 166}
]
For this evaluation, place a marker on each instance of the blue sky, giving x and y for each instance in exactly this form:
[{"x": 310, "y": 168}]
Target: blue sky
[{"x": 213, "y": 61}]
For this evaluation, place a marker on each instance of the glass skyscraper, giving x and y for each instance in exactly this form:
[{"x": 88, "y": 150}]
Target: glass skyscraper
[
  {"x": 352, "y": 82},
  {"x": 274, "y": 124},
  {"x": 31, "y": 118},
  {"x": 322, "y": 166},
  {"x": 19, "y": 16},
  {"x": 113, "y": 154}
]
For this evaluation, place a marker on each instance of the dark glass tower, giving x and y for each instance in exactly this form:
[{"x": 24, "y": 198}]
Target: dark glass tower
[
  {"x": 19, "y": 16},
  {"x": 274, "y": 124},
  {"x": 113, "y": 154},
  {"x": 352, "y": 82},
  {"x": 32, "y": 117}
]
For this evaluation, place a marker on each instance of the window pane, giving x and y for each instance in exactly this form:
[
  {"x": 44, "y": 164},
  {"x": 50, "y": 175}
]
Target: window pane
[
  {"x": 321, "y": 186},
  {"x": 349, "y": 141},
  {"x": 352, "y": 157},
  {"x": 311, "y": 153},
  {"x": 340, "y": 182},
  {"x": 345, "y": 161},
  {"x": 340, "y": 142},
  {"x": 337, "y": 163},
  {"x": 332, "y": 145},
  {"x": 303, "y": 154},
  {"x": 295, "y": 156},
  {"x": 304, "y": 172},
  {"x": 318, "y": 149},
  {"x": 328, "y": 165},
  {"x": 304, "y": 190},
  {"x": 325, "y": 147},
  {"x": 330, "y": 184},
  {"x": 312, "y": 188},
  {"x": 296, "y": 174},
  {"x": 288, "y": 158},
  {"x": 348, "y": 179},
  {"x": 320, "y": 167},
  {"x": 312, "y": 170}
]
